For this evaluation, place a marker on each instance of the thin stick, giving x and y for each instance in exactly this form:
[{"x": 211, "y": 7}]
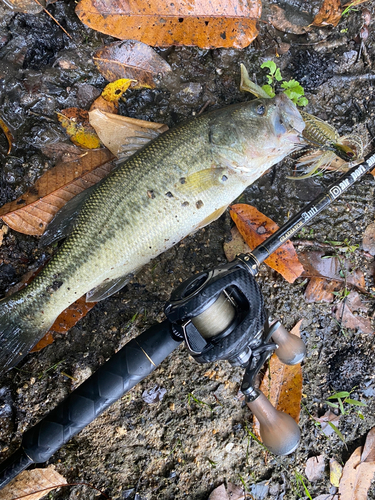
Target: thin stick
[{"x": 51, "y": 16}]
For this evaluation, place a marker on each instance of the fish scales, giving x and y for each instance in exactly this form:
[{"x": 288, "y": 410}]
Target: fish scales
[{"x": 173, "y": 186}]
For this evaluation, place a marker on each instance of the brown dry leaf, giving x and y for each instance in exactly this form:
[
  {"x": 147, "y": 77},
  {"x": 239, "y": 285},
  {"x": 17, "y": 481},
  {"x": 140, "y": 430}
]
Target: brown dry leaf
[
  {"x": 33, "y": 484},
  {"x": 255, "y": 227},
  {"x": 344, "y": 314},
  {"x": 368, "y": 241},
  {"x": 283, "y": 21},
  {"x": 329, "y": 13},
  {"x": 4, "y": 127},
  {"x": 31, "y": 213},
  {"x": 26, "y": 6},
  {"x": 321, "y": 290},
  {"x": 115, "y": 130},
  {"x": 282, "y": 385},
  {"x": 231, "y": 492},
  {"x": 133, "y": 60},
  {"x": 329, "y": 416},
  {"x": 319, "y": 268},
  {"x": 76, "y": 124},
  {"x": 315, "y": 467},
  {"x": 62, "y": 151},
  {"x": 105, "y": 106},
  {"x": 354, "y": 3},
  {"x": 356, "y": 477},
  {"x": 163, "y": 23},
  {"x": 235, "y": 246}
]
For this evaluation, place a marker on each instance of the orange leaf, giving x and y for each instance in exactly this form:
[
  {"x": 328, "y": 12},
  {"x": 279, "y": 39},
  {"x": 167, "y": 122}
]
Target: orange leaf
[
  {"x": 255, "y": 228},
  {"x": 65, "y": 321},
  {"x": 133, "y": 60},
  {"x": 31, "y": 213},
  {"x": 282, "y": 385},
  {"x": 105, "y": 106},
  {"x": 4, "y": 127},
  {"x": 163, "y": 23},
  {"x": 76, "y": 123},
  {"x": 329, "y": 13}
]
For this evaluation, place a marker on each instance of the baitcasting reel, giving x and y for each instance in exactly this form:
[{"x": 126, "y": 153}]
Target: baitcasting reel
[{"x": 220, "y": 315}]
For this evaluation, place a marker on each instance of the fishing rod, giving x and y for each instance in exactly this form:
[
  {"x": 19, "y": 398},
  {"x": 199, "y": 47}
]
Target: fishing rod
[{"x": 220, "y": 315}]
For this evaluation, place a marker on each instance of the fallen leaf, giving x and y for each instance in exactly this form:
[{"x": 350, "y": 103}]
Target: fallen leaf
[
  {"x": 4, "y": 127},
  {"x": 62, "y": 151},
  {"x": 368, "y": 242},
  {"x": 335, "y": 472},
  {"x": 163, "y": 23},
  {"x": 354, "y": 3},
  {"x": 356, "y": 477},
  {"x": 113, "y": 91},
  {"x": 344, "y": 314},
  {"x": 231, "y": 492},
  {"x": 76, "y": 124},
  {"x": 154, "y": 395},
  {"x": 236, "y": 245},
  {"x": 368, "y": 452},
  {"x": 255, "y": 228},
  {"x": 31, "y": 213},
  {"x": 105, "y": 106},
  {"x": 315, "y": 467},
  {"x": 117, "y": 131},
  {"x": 329, "y": 13},
  {"x": 33, "y": 484},
  {"x": 282, "y": 385},
  {"x": 319, "y": 267},
  {"x": 132, "y": 60},
  {"x": 321, "y": 290},
  {"x": 329, "y": 416},
  {"x": 284, "y": 20},
  {"x": 26, "y": 6}
]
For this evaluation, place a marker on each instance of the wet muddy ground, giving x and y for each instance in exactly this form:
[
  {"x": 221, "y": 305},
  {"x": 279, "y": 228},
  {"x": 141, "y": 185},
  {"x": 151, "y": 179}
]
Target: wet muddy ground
[{"x": 178, "y": 448}]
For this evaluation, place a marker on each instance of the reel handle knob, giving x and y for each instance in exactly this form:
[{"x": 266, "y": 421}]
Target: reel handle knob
[
  {"x": 279, "y": 432},
  {"x": 291, "y": 349}
]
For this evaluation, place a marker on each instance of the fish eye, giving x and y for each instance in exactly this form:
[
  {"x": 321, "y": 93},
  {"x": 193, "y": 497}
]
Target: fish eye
[{"x": 261, "y": 109}]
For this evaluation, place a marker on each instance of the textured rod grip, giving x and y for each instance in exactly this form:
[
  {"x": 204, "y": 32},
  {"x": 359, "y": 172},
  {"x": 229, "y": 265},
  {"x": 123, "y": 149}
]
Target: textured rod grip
[{"x": 137, "y": 359}]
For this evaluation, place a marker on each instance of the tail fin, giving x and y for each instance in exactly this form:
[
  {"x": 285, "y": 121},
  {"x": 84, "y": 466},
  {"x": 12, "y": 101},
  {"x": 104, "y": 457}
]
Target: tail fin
[{"x": 18, "y": 335}]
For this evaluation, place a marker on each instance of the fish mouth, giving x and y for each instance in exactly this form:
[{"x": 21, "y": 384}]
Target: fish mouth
[{"x": 288, "y": 121}]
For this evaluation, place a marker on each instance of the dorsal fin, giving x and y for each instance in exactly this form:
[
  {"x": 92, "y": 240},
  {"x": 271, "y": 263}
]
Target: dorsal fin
[{"x": 63, "y": 222}]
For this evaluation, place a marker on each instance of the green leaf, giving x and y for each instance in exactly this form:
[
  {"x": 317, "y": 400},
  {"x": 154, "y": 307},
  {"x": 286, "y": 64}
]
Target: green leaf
[
  {"x": 269, "y": 79},
  {"x": 355, "y": 402},
  {"x": 269, "y": 90},
  {"x": 278, "y": 76},
  {"x": 337, "y": 395},
  {"x": 270, "y": 65},
  {"x": 302, "y": 101},
  {"x": 337, "y": 431},
  {"x": 332, "y": 405}
]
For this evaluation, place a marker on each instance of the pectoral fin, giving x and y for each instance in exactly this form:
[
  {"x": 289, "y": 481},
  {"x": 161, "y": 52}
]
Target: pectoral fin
[
  {"x": 215, "y": 215},
  {"x": 107, "y": 288},
  {"x": 201, "y": 181}
]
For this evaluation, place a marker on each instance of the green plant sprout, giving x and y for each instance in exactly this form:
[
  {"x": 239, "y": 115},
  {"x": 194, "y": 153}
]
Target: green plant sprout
[
  {"x": 350, "y": 8},
  {"x": 343, "y": 398},
  {"x": 299, "y": 480},
  {"x": 197, "y": 401},
  {"x": 292, "y": 88}
]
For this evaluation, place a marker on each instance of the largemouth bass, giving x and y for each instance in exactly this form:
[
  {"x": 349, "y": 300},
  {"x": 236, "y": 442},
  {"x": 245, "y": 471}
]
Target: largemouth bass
[{"x": 178, "y": 183}]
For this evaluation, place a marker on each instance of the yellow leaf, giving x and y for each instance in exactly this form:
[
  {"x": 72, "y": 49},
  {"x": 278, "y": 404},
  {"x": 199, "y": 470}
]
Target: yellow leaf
[
  {"x": 76, "y": 124},
  {"x": 113, "y": 91}
]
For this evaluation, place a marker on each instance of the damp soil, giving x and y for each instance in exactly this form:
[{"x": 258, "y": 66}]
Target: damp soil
[{"x": 180, "y": 447}]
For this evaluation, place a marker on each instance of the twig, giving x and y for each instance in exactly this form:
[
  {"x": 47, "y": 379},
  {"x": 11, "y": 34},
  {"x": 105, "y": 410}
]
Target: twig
[{"x": 51, "y": 16}]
